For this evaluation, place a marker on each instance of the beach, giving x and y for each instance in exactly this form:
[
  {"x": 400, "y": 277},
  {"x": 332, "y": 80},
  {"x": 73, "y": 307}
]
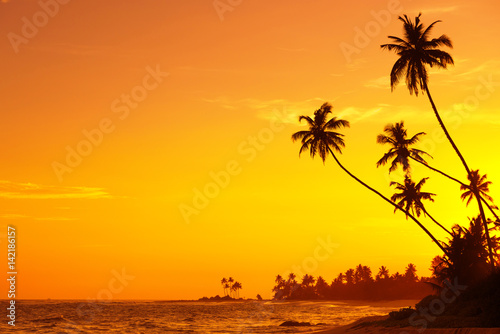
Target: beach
[{"x": 357, "y": 328}]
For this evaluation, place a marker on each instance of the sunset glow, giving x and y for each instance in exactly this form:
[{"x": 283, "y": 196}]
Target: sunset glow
[{"x": 148, "y": 142}]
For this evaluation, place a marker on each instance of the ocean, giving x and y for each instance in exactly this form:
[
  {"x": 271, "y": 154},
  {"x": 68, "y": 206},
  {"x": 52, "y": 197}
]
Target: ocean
[{"x": 53, "y": 316}]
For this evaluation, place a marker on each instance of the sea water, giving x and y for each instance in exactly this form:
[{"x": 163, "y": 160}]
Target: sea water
[{"x": 184, "y": 317}]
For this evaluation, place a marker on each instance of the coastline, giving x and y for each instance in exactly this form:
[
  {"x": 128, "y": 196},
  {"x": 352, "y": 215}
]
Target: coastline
[{"x": 354, "y": 328}]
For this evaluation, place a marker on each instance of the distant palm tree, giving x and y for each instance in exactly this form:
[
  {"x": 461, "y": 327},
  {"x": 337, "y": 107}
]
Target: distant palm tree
[
  {"x": 411, "y": 197},
  {"x": 279, "y": 280},
  {"x": 279, "y": 287},
  {"x": 383, "y": 273},
  {"x": 320, "y": 139},
  {"x": 349, "y": 276},
  {"x": 358, "y": 274},
  {"x": 230, "y": 281},
  {"x": 308, "y": 280},
  {"x": 340, "y": 279},
  {"x": 415, "y": 52},
  {"x": 224, "y": 285},
  {"x": 479, "y": 188},
  {"x": 411, "y": 273},
  {"x": 367, "y": 274},
  {"x": 236, "y": 287}
]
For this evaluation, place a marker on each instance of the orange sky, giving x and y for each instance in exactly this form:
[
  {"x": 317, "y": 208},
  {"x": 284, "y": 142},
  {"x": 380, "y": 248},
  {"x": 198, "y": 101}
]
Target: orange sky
[{"x": 228, "y": 82}]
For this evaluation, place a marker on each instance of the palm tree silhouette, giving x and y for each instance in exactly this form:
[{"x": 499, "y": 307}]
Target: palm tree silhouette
[
  {"x": 224, "y": 285},
  {"x": 400, "y": 150},
  {"x": 320, "y": 139},
  {"x": 467, "y": 256},
  {"x": 479, "y": 188},
  {"x": 415, "y": 52},
  {"x": 236, "y": 287},
  {"x": 349, "y": 276},
  {"x": 481, "y": 184},
  {"x": 383, "y": 273},
  {"x": 411, "y": 197},
  {"x": 230, "y": 281},
  {"x": 411, "y": 273}
]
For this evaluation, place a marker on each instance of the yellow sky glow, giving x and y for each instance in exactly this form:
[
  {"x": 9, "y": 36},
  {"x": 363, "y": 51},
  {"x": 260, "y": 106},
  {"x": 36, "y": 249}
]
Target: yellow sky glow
[{"x": 117, "y": 114}]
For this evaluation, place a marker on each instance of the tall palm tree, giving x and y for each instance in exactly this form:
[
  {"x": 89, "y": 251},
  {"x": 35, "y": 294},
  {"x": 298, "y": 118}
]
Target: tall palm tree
[
  {"x": 479, "y": 188},
  {"x": 411, "y": 197},
  {"x": 320, "y": 139},
  {"x": 416, "y": 51}
]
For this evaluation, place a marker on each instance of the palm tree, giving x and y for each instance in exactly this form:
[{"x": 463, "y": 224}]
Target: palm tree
[
  {"x": 411, "y": 197},
  {"x": 230, "y": 281},
  {"x": 340, "y": 279},
  {"x": 308, "y": 280},
  {"x": 349, "y": 276},
  {"x": 320, "y": 139},
  {"x": 400, "y": 152},
  {"x": 236, "y": 287},
  {"x": 481, "y": 184},
  {"x": 224, "y": 285},
  {"x": 411, "y": 273},
  {"x": 467, "y": 256},
  {"x": 479, "y": 188},
  {"x": 383, "y": 273},
  {"x": 415, "y": 52}
]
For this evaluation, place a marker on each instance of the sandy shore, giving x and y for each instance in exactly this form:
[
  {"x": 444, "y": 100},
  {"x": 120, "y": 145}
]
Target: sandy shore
[{"x": 350, "y": 329}]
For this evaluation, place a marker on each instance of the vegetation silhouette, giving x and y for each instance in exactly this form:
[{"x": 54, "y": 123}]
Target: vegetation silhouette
[
  {"x": 467, "y": 257},
  {"x": 231, "y": 287},
  {"x": 470, "y": 254},
  {"x": 411, "y": 197},
  {"x": 400, "y": 151},
  {"x": 355, "y": 284},
  {"x": 416, "y": 51},
  {"x": 319, "y": 139}
]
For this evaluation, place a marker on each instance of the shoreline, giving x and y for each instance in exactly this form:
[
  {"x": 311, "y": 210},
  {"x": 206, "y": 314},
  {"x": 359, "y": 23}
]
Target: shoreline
[{"x": 355, "y": 328}]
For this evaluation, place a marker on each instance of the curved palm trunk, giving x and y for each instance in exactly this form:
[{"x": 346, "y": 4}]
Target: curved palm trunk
[
  {"x": 491, "y": 209},
  {"x": 390, "y": 202},
  {"x": 474, "y": 190},
  {"x": 440, "y": 172},
  {"x": 459, "y": 182},
  {"x": 435, "y": 221}
]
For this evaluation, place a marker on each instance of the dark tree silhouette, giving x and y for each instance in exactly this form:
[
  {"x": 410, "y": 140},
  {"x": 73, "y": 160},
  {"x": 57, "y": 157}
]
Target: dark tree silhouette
[
  {"x": 467, "y": 256},
  {"x": 320, "y": 139},
  {"x": 416, "y": 51},
  {"x": 224, "y": 285},
  {"x": 411, "y": 197},
  {"x": 400, "y": 151},
  {"x": 383, "y": 273}
]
